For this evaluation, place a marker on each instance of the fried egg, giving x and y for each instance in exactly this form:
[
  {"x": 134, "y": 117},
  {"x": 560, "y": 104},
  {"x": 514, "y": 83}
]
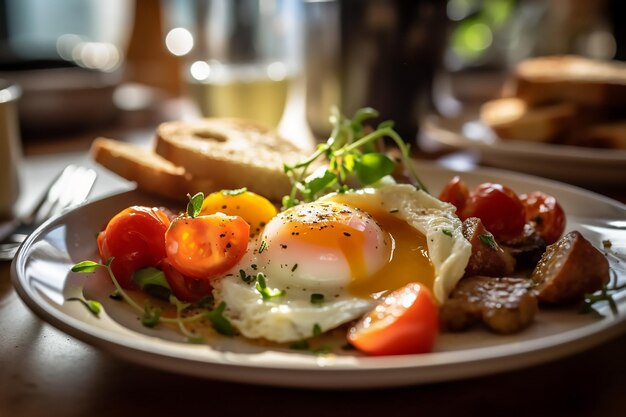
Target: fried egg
[{"x": 331, "y": 259}]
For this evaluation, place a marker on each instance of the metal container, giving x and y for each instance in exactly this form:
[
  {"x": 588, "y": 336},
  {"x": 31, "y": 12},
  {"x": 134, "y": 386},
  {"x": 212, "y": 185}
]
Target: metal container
[
  {"x": 10, "y": 147},
  {"x": 377, "y": 53}
]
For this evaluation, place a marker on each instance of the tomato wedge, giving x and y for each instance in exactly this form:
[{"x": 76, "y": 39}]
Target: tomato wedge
[
  {"x": 135, "y": 238},
  {"x": 456, "y": 193},
  {"x": 206, "y": 246},
  {"x": 183, "y": 287},
  {"x": 545, "y": 214},
  {"x": 405, "y": 322}
]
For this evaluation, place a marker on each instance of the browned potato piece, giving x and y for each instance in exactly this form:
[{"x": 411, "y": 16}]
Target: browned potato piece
[
  {"x": 487, "y": 257},
  {"x": 504, "y": 305},
  {"x": 569, "y": 269}
]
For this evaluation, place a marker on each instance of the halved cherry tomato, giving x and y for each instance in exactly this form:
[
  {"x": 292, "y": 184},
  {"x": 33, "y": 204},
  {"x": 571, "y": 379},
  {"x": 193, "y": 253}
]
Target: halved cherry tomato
[
  {"x": 545, "y": 214},
  {"x": 206, "y": 246},
  {"x": 185, "y": 288},
  {"x": 499, "y": 208},
  {"x": 456, "y": 193},
  {"x": 135, "y": 237},
  {"x": 405, "y": 322}
]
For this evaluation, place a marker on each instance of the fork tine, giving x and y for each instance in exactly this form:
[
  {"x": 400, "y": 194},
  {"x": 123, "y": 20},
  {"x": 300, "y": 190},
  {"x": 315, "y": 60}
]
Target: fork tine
[
  {"x": 43, "y": 210},
  {"x": 87, "y": 179},
  {"x": 71, "y": 188},
  {"x": 74, "y": 189}
]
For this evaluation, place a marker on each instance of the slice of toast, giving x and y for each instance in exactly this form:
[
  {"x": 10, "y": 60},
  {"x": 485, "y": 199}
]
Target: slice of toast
[
  {"x": 575, "y": 79},
  {"x": 151, "y": 172},
  {"x": 512, "y": 118},
  {"x": 606, "y": 135},
  {"x": 234, "y": 152}
]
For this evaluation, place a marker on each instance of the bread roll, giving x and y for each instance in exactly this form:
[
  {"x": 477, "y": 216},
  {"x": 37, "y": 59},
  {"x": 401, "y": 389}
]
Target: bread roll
[{"x": 233, "y": 152}]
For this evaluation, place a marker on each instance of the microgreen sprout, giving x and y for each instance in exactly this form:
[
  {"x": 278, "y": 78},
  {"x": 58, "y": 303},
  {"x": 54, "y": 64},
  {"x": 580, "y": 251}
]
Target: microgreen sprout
[
  {"x": 351, "y": 154},
  {"x": 605, "y": 294},
  {"x": 220, "y": 323},
  {"x": 150, "y": 315},
  {"x": 266, "y": 293},
  {"x": 194, "y": 207},
  {"x": 94, "y": 307}
]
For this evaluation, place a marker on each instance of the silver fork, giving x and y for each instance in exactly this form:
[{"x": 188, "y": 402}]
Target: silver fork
[{"x": 70, "y": 188}]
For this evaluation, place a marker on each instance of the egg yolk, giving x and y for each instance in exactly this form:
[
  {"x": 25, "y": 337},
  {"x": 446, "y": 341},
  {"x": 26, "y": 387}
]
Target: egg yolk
[
  {"x": 409, "y": 260},
  {"x": 347, "y": 243},
  {"x": 323, "y": 247}
]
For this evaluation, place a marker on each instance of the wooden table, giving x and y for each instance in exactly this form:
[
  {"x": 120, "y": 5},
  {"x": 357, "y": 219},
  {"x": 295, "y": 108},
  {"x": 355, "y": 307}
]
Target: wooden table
[{"x": 44, "y": 372}]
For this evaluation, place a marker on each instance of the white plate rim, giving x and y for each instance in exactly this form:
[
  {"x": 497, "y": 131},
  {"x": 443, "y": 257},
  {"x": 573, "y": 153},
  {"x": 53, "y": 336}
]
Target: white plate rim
[{"x": 320, "y": 372}]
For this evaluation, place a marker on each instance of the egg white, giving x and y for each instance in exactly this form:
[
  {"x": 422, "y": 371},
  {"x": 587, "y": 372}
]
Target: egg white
[
  {"x": 293, "y": 317},
  {"x": 449, "y": 252}
]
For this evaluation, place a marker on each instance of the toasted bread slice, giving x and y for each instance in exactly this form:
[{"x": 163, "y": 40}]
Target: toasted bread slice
[
  {"x": 512, "y": 118},
  {"x": 606, "y": 135},
  {"x": 233, "y": 152},
  {"x": 579, "y": 80},
  {"x": 151, "y": 172}
]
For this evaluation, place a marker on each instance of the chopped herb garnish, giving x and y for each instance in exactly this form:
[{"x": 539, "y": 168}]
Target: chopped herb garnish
[
  {"x": 266, "y": 293},
  {"x": 262, "y": 246},
  {"x": 245, "y": 277},
  {"x": 607, "y": 244},
  {"x": 235, "y": 192},
  {"x": 94, "y": 307},
  {"x": 317, "y": 330},
  {"x": 317, "y": 298},
  {"x": 487, "y": 240},
  {"x": 395, "y": 210},
  {"x": 447, "y": 232},
  {"x": 294, "y": 267}
]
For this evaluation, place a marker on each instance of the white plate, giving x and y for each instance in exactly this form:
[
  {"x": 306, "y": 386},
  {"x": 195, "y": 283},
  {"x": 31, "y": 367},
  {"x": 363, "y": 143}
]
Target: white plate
[
  {"x": 574, "y": 164},
  {"x": 42, "y": 277}
]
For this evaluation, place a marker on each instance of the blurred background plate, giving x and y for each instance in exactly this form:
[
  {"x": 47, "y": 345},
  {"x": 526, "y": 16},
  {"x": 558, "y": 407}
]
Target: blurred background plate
[{"x": 578, "y": 165}]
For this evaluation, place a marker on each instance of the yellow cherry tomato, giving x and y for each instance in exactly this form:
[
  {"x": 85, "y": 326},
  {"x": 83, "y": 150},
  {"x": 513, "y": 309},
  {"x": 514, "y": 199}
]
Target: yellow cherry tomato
[{"x": 253, "y": 208}]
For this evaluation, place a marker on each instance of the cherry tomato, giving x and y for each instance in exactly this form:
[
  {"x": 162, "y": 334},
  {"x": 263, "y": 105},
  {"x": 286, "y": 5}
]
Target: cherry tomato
[
  {"x": 185, "y": 288},
  {"x": 545, "y": 214},
  {"x": 499, "y": 208},
  {"x": 135, "y": 237},
  {"x": 206, "y": 246},
  {"x": 456, "y": 193},
  {"x": 405, "y": 322}
]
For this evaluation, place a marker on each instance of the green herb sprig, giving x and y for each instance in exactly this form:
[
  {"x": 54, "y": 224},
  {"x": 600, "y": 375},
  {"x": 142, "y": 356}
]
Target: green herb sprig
[
  {"x": 604, "y": 294},
  {"x": 352, "y": 155},
  {"x": 150, "y": 315}
]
